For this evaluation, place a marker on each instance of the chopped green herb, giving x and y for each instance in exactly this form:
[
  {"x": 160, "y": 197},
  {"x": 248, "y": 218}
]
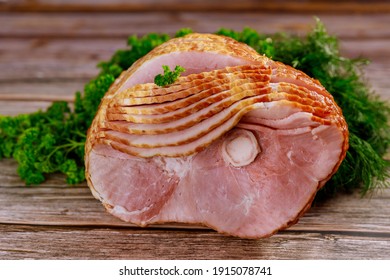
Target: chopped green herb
[
  {"x": 169, "y": 77},
  {"x": 53, "y": 141}
]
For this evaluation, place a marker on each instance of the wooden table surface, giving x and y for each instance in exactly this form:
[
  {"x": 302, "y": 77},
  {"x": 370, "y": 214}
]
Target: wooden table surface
[{"x": 49, "y": 49}]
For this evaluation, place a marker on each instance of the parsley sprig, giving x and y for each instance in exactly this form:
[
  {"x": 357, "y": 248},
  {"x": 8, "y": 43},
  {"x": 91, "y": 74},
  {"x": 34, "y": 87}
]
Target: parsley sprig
[{"x": 169, "y": 77}]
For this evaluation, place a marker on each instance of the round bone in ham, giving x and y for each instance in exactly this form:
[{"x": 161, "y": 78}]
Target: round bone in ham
[{"x": 239, "y": 143}]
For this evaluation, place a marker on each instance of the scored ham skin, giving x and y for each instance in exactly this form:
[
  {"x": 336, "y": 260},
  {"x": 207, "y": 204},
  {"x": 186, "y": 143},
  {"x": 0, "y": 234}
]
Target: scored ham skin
[{"x": 239, "y": 143}]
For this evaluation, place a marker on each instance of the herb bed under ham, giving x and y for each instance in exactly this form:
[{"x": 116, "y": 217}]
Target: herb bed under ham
[{"x": 239, "y": 143}]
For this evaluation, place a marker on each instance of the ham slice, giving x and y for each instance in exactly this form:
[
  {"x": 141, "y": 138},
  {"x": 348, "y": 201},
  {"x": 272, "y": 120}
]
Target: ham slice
[{"x": 239, "y": 143}]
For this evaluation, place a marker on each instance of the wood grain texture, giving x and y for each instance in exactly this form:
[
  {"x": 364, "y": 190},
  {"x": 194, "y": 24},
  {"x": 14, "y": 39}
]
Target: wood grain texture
[
  {"x": 47, "y": 52},
  {"x": 62, "y": 218},
  {"x": 20, "y": 242},
  {"x": 202, "y": 5},
  {"x": 59, "y": 67},
  {"x": 12, "y": 108},
  {"x": 77, "y": 207},
  {"x": 120, "y": 25}
]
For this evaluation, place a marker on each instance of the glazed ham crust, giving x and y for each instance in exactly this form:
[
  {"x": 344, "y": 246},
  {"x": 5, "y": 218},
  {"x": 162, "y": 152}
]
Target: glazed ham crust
[{"x": 239, "y": 143}]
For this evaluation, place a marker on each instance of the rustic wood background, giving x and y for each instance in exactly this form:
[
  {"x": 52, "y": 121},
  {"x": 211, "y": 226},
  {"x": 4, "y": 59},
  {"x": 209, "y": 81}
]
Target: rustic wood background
[{"x": 49, "y": 50}]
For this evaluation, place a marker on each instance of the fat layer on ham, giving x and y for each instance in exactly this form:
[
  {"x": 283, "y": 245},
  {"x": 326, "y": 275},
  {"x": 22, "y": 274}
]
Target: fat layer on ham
[{"x": 239, "y": 143}]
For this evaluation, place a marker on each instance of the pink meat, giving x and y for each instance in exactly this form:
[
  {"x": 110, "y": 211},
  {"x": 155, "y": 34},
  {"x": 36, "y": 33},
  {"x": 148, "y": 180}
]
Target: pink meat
[{"x": 299, "y": 142}]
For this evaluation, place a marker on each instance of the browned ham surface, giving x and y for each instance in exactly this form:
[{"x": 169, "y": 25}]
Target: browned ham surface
[{"x": 239, "y": 143}]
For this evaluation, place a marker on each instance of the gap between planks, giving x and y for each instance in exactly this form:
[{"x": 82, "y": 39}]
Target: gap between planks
[{"x": 172, "y": 228}]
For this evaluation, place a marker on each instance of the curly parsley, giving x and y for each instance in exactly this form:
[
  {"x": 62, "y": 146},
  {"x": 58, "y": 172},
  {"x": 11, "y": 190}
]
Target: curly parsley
[{"x": 169, "y": 77}]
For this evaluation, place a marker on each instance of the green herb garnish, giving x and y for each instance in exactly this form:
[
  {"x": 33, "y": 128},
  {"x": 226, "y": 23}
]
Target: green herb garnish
[
  {"x": 169, "y": 77},
  {"x": 53, "y": 141}
]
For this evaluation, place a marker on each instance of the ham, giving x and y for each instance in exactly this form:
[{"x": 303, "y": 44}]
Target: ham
[{"x": 239, "y": 143}]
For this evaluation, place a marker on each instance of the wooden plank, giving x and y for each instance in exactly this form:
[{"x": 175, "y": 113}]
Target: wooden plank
[
  {"x": 41, "y": 89},
  {"x": 13, "y": 108},
  {"x": 75, "y": 206},
  {"x": 372, "y": 49},
  {"x": 41, "y": 59},
  {"x": 27, "y": 242},
  {"x": 16, "y": 107},
  {"x": 97, "y": 49},
  {"x": 349, "y": 212},
  {"x": 202, "y": 5},
  {"x": 375, "y": 78},
  {"x": 112, "y": 25},
  {"x": 55, "y": 203},
  {"x": 64, "y": 49},
  {"x": 61, "y": 66},
  {"x": 377, "y": 52}
]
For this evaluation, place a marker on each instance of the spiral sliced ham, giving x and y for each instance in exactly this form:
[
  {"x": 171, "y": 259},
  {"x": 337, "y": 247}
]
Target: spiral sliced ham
[{"x": 239, "y": 143}]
